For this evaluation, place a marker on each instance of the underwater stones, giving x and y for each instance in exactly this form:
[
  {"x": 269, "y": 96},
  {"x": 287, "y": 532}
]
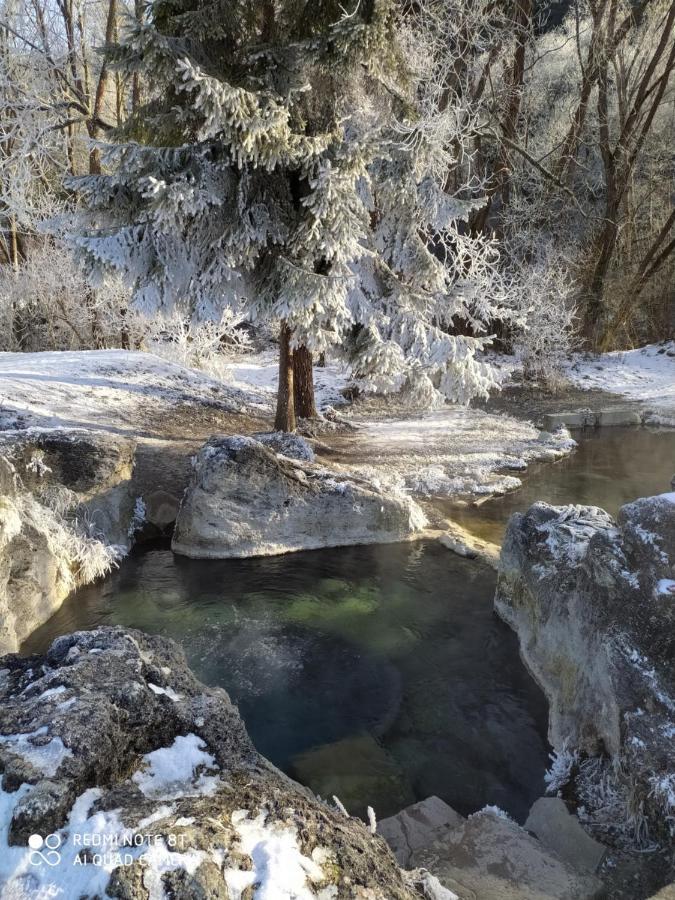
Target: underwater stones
[
  {"x": 352, "y": 769},
  {"x": 588, "y": 598},
  {"x": 155, "y": 758},
  {"x": 245, "y": 500},
  {"x": 463, "y": 543}
]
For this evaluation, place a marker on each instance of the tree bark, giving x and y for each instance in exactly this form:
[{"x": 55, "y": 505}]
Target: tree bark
[
  {"x": 514, "y": 77},
  {"x": 303, "y": 383},
  {"x": 285, "y": 417}
]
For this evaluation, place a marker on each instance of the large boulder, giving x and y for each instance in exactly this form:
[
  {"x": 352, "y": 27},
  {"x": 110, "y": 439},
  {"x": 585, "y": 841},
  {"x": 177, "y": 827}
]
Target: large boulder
[
  {"x": 92, "y": 469},
  {"x": 66, "y": 506},
  {"x": 146, "y": 784},
  {"x": 246, "y": 500},
  {"x": 593, "y": 604}
]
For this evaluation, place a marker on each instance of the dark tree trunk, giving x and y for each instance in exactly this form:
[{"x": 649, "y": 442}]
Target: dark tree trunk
[
  {"x": 285, "y": 417},
  {"x": 303, "y": 383}
]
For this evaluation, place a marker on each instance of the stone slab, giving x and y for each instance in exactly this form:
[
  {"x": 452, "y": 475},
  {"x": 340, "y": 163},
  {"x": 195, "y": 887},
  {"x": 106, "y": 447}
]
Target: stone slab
[
  {"x": 417, "y": 826},
  {"x": 557, "y": 829},
  {"x": 582, "y": 418},
  {"x": 609, "y": 417}
]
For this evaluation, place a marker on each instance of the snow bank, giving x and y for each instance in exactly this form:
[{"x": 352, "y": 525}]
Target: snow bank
[
  {"x": 646, "y": 375},
  {"x": 113, "y": 390},
  {"x": 451, "y": 451}
]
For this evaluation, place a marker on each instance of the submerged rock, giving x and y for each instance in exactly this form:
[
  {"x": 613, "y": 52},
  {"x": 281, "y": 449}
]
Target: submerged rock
[
  {"x": 148, "y": 786},
  {"x": 353, "y": 769},
  {"x": 417, "y": 827},
  {"x": 592, "y": 602},
  {"x": 245, "y": 500}
]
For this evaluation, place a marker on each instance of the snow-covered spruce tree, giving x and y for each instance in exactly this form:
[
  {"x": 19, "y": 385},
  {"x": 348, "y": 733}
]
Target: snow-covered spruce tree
[{"x": 282, "y": 164}]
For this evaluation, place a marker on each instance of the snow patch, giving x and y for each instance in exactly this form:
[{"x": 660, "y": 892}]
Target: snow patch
[
  {"x": 666, "y": 587},
  {"x": 280, "y": 870},
  {"x": 45, "y": 757},
  {"x": 646, "y": 374},
  {"x": 178, "y": 770},
  {"x": 169, "y": 692}
]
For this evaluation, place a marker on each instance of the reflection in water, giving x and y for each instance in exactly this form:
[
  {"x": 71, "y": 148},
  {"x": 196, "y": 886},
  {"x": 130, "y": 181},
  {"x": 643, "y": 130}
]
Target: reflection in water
[
  {"x": 379, "y": 674},
  {"x": 611, "y": 466}
]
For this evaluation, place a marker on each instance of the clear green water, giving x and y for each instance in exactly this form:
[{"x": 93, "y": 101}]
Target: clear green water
[{"x": 380, "y": 674}]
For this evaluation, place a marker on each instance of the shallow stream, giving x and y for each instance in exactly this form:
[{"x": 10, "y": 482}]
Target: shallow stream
[{"x": 379, "y": 674}]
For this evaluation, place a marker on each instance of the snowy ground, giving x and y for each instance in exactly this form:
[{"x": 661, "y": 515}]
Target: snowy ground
[
  {"x": 449, "y": 452},
  {"x": 646, "y": 375},
  {"x": 452, "y": 451},
  {"x": 120, "y": 391}
]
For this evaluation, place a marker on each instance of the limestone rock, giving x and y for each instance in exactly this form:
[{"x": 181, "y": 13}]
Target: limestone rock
[
  {"x": 463, "y": 543},
  {"x": 490, "y": 857},
  {"x": 244, "y": 500},
  {"x": 110, "y": 733},
  {"x": 417, "y": 827},
  {"x": 666, "y": 893},
  {"x": 95, "y": 466},
  {"x": 292, "y": 445},
  {"x": 552, "y": 823},
  {"x": 588, "y": 597},
  {"x": 49, "y": 482}
]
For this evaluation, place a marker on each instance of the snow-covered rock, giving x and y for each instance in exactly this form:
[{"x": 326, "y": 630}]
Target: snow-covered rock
[
  {"x": 583, "y": 593},
  {"x": 292, "y": 445},
  {"x": 111, "y": 788},
  {"x": 65, "y": 508},
  {"x": 245, "y": 500}
]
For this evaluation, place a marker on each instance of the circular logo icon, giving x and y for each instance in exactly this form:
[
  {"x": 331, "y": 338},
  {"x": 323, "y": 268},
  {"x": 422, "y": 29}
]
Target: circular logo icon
[{"x": 50, "y": 855}]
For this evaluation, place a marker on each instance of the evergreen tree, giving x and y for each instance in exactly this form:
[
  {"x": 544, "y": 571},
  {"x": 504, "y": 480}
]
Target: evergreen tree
[{"x": 283, "y": 162}]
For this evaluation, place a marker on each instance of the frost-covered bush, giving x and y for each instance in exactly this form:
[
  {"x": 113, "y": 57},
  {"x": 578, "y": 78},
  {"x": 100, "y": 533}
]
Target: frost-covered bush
[
  {"x": 196, "y": 344},
  {"x": 563, "y": 763},
  {"x": 48, "y": 304},
  {"x": 81, "y": 554},
  {"x": 545, "y": 334}
]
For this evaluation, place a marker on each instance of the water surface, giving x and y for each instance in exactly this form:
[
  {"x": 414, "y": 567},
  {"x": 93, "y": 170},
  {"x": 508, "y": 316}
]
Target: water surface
[
  {"x": 380, "y": 674},
  {"x": 610, "y": 467}
]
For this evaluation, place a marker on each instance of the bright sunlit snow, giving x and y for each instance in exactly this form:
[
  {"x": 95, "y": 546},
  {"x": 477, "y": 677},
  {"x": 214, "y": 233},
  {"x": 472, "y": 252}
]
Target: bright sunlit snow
[{"x": 646, "y": 375}]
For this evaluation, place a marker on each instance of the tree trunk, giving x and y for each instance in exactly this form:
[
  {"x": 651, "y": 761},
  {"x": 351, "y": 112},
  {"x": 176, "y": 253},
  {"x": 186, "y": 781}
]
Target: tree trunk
[
  {"x": 303, "y": 383},
  {"x": 285, "y": 417},
  {"x": 136, "y": 78}
]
